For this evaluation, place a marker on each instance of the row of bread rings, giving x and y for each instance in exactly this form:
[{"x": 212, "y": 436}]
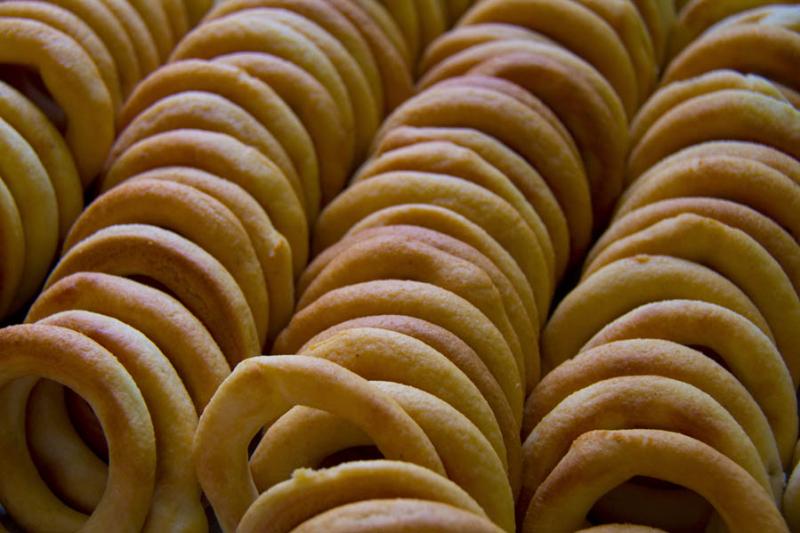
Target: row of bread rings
[
  {"x": 89, "y": 54},
  {"x": 209, "y": 153},
  {"x": 687, "y": 308},
  {"x": 433, "y": 275}
]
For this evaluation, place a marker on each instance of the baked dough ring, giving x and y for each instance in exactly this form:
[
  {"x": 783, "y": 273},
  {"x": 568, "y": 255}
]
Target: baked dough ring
[
  {"x": 419, "y": 300},
  {"x": 333, "y": 144},
  {"x": 224, "y": 156},
  {"x": 621, "y": 528},
  {"x": 510, "y": 122},
  {"x": 394, "y": 257},
  {"x": 86, "y": 367},
  {"x": 272, "y": 248},
  {"x": 745, "y": 351},
  {"x": 467, "y": 456},
  {"x": 659, "y": 17},
  {"x": 725, "y": 177},
  {"x": 179, "y": 335},
  {"x": 523, "y": 327},
  {"x": 12, "y": 242},
  {"x": 522, "y": 175},
  {"x": 22, "y": 115},
  {"x": 722, "y": 115},
  {"x": 726, "y": 250},
  {"x": 86, "y": 103},
  {"x": 311, "y": 492},
  {"x": 154, "y": 16},
  {"x": 626, "y": 284},
  {"x": 652, "y": 357},
  {"x": 432, "y": 20},
  {"x": 262, "y": 389},
  {"x": 791, "y": 500},
  {"x": 247, "y": 92},
  {"x": 197, "y": 279},
  {"x": 775, "y": 240},
  {"x": 578, "y": 29},
  {"x": 640, "y": 402},
  {"x": 176, "y": 499},
  {"x": 137, "y": 31},
  {"x": 27, "y": 181},
  {"x": 444, "y": 157},
  {"x": 406, "y": 18},
  {"x": 679, "y": 92},
  {"x": 195, "y": 216},
  {"x": 483, "y": 207},
  {"x": 201, "y": 110},
  {"x": 111, "y": 32},
  {"x": 396, "y": 516},
  {"x": 66, "y": 22},
  {"x": 600, "y": 460},
  {"x": 575, "y": 92},
  {"x": 465, "y": 358},
  {"x": 454, "y": 225}
]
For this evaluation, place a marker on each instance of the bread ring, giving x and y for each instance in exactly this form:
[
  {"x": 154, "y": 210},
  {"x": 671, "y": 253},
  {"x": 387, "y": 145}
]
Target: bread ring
[
  {"x": 393, "y": 257},
  {"x": 176, "y": 499},
  {"x": 202, "y": 110},
  {"x": 143, "y": 42},
  {"x": 485, "y": 208},
  {"x": 395, "y": 74},
  {"x": 87, "y": 104},
  {"x": 419, "y": 300},
  {"x": 272, "y": 248},
  {"x": 242, "y": 32},
  {"x": 659, "y": 17},
  {"x": 395, "y": 516},
  {"x": 222, "y": 155},
  {"x": 724, "y": 115},
  {"x": 12, "y": 242},
  {"x": 791, "y": 500},
  {"x": 465, "y": 358},
  {"x": 178, "y": 17},
  {"x": 195, "y": 216},
  {"x": 725, "y": 177},
  {"x": 284, "y": 382},
  {"x": 308, "y": 493},
  {"x": 747, "y": 352},
  {"x": 432, "y": 21},
  {"x": 406, "y": 18},
  {"x": 333, "y": 144},
  {"x": 699, "y": 15},
  {"x": 551, "y": 75},
  {"x": 510, "y": 122},
  {"x": 639, "y": 402},
  {"x": 523, "y": 176},
  {"x": 367, "y": 109},
  {"x": 179, "y": 335},
  {"x": 186, "y": 270},
  {"x": 27, "y": 181},
  {"x": 444, "y": 157},
  {"x": 725, "y": 249},
  {"x": 578, "y": 29},
  {"x": 255, "y": 97},
  {"x": 523, "y": 327},
  {"x": 463, "y": 37},
  {"x": 662, "y": 454},
  {"x": 621, "y": 528},
  {"x": 679, "y": 92},
  {"x": 111, "y": 32},
  {"x": 626, "y": 284},
  {"x": 22, "y": 115},
  {"x": 87, "y": 368},
  {"x": 69, "y": 24},
  {"x": 158, "y": 26},
  {"x": 775, "y": 53},
  {"x": 775, "y": 240},
  {"x": 467, "y": 456},
  {"x": 332, "y": 21},
  {"x": 454, "y": 225},
  {"x": 651, "y": 357}
]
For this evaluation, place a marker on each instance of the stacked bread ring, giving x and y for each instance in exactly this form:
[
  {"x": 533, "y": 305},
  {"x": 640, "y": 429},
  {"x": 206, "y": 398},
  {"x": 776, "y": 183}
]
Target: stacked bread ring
[
  {"x": 67, "y": 67},
  {"x": 696, "y": 270}
]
